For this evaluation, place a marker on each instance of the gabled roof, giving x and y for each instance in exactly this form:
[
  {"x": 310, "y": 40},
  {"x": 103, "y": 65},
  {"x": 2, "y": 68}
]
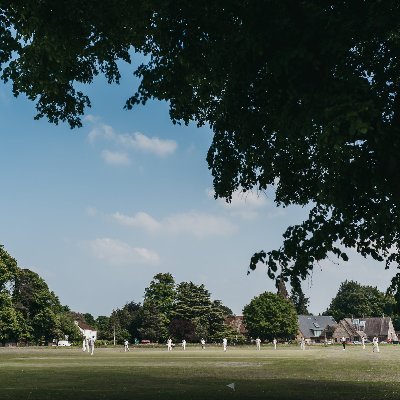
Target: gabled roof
[
  {"x": 367, "y": 327},
  {"x": 377, "y": 326},
  {"x": 349, "y": 327},
  {"x": 310, "y": 323},
  {"x": 84, "y": 326},
  {"x": 346, "y": 328}
]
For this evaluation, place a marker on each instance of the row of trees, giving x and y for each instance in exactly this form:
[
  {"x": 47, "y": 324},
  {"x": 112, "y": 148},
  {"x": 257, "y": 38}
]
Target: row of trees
[
  {"x": 270, "y": 315},
  {"x": 183, "y": 310},
  {"x": 29, "y": 311},
  {"x": 186, "y": 311},
  {"x": 354, "y": 299}
]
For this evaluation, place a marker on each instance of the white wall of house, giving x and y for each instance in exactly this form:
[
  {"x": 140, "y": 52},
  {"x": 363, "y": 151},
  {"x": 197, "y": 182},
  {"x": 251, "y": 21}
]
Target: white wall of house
[{"x": 87, "y": 333}]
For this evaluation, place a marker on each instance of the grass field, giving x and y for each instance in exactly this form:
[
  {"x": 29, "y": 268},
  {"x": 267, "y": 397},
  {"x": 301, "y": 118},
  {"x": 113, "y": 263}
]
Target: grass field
[{"x": 285, "y": 373}]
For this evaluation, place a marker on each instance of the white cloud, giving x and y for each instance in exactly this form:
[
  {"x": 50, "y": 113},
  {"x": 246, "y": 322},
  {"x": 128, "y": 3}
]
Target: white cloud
[
  {"x": 116, "y": 252},
  {"x": 244, "y": 204},
  {"x": 192, "y": 223},
  {"x": 137, "y": 140},
  {"x": 248, "y": 199},
  {"x": 115, "y": 158},
  {"x": 92, "y": 118},
  {"x": 102, "y": 131},
  {"x": 91, "y": 211},
  {"x": 140, "y": 220},
  {"x": 151, "y": 145},
  {"x": 198, "y": 224}
]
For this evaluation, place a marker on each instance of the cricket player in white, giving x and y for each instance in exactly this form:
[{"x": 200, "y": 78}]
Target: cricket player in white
[
  {"x": 375, "y": 342},
  {"x": 302, "y": 344},
  {"x": 184, "y": 344},
  {"x": 224, "y": 343},
  {"x": 91, "y": 345},
  {"x": 126, "y": 345},
  {"x": 169, "y": 344},
  {"x": 274, "y": 342},
  {"x": 363, "y": 342},
  {"x": 258, "y": 343}
]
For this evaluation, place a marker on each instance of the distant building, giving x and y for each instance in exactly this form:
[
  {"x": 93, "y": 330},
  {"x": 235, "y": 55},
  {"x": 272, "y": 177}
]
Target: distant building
[
  {"x": 348, "y": 330},
  {"x": 237, "y": 323},
  {"x": 356, "y": 328},
  {"x": 86, "y": 330},
  {"x": 312, "y": 328}
]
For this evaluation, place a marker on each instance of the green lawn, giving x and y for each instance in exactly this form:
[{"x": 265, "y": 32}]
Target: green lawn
[{"x": 287, "y": 373}]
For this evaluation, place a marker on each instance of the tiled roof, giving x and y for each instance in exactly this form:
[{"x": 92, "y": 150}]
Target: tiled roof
[
  {"x": 377, "y": 326},
  {"x": 367, "y": 327},
  {"x": 309, "y": 323},
  {"x": 346, "y": 328}
]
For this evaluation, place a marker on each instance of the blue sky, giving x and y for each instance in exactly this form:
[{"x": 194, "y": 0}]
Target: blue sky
[{"x": 98, "y": 211}]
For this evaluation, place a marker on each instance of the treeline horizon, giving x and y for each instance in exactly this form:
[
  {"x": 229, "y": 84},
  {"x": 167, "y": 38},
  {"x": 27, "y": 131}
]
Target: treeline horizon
[{"x": 30, "y": 312}]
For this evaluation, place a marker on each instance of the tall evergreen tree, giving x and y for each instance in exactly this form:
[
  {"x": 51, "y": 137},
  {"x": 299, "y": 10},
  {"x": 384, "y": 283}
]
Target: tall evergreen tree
[
  {"x": 216, "y": 317},
  {"x": 154, "y": 324},
  {"x": 300, "y": 301},
  {"x": 193, "y": 303},
  {"x": 161, "y": 293},
  {"x": 182, "y": 329},
  {"x": 281, "y": 288},
  {"x": 157, "y": 308},
  {"x": 130, "y": 317}
]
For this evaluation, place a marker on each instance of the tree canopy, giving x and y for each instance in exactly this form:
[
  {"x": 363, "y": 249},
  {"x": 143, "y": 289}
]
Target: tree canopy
[
  {"x": 158, "y": 305},
  {"x": 29, "y": 310},
  {"x": 301, "y": 96},
  {"x": 161, "y": 292},
  {"x": 300, "y": 301},
  {"x": 181, "y": 311},
  {"x": 355, "y": 300},
  {"x": 194, "y": 308},
  {"x": 270, "y": 316}
]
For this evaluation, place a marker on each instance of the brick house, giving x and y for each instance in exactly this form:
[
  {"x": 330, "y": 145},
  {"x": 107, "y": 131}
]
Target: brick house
[
  {"x": 348, "y": 330},
  {"x": 356, "y": 328}
]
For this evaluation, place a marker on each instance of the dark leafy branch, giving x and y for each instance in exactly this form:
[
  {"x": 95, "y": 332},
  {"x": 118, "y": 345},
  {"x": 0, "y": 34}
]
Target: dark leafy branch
[{"x": 300, "y": 95}]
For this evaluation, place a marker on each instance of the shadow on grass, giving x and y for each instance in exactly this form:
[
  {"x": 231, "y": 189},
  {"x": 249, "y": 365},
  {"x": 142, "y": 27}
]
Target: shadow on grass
[{"x": 205, "y": 389}]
